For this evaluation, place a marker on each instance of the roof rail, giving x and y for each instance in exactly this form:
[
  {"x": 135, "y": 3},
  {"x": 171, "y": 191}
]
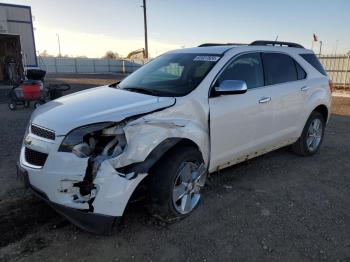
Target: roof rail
[
  {"x": 276, "y": 43},
  {"x": 217, "y": 44}
]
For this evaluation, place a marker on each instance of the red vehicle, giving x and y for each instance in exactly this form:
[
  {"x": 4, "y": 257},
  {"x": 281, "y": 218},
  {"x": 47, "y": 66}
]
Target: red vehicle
[{"x": 33, "y": 90}]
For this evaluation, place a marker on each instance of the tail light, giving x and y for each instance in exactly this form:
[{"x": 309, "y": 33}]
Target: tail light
[{"x": 331, "y": 85}]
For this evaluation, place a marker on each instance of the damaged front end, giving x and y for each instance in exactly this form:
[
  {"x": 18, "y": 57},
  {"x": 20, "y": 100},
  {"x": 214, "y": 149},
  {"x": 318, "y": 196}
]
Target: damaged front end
[
  {"x": 77, "y": 178},
  {"x": 97, "y": 142},
  {"x": 119, "y": 156},
  {"x": 91, "y": 173}
]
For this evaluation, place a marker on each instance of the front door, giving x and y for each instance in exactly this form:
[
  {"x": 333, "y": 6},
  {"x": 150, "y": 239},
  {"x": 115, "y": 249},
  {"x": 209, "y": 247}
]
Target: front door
[{"x": 240, "y": 124}]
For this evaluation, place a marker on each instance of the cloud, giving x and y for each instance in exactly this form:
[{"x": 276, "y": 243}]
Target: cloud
[{"x": 93, "y": 45}]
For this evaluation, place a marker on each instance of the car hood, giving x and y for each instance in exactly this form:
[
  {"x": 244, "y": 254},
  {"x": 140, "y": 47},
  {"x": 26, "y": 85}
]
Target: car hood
[{"x": 100, "y": 104}]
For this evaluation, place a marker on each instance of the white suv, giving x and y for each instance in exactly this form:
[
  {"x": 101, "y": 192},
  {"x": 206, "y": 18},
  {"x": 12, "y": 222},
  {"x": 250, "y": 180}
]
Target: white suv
[{"x": 185, "y": 114}]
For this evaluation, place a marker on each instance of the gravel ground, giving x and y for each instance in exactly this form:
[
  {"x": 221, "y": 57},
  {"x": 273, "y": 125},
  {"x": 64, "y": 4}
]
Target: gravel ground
[{"x": 278, "y": 207}]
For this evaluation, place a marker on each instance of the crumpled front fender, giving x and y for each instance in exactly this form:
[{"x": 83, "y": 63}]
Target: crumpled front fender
[{"x": 145, "y": 134}]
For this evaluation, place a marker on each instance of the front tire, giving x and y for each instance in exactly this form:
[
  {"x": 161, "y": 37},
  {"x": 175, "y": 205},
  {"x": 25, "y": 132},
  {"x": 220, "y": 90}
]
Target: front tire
[
  {"x": 176, "y": 182},
  {"x": 310, "y": 141}
]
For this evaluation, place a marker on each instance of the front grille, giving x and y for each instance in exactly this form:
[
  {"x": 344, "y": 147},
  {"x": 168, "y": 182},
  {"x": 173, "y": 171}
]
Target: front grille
[
  {"x": 42, "y": 132},
  {"x": 34, "y": 157}
]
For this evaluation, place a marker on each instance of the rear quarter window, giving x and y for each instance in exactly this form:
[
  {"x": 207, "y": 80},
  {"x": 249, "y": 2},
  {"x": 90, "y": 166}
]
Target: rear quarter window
[
  {"x": 300, "y": 71},
  {"x": 312, "y": 60}
]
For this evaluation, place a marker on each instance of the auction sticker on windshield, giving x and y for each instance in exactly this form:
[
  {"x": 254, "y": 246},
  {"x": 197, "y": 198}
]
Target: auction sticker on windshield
[{"x": 206, "y": 58}]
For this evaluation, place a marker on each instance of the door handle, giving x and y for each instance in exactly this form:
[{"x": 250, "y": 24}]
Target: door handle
[
  {"x": 304, "y": 88},
  {"x": 265, "y": 100}
]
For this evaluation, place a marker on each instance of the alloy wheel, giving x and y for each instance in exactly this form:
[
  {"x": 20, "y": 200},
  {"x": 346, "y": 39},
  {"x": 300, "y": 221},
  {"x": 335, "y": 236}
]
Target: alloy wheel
[
  {"x": 314, "y": 134},
  {"x": 186, "y": 189}
]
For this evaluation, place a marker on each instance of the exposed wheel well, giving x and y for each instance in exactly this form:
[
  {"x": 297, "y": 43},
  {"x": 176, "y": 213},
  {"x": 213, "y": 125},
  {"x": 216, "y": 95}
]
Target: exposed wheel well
[
  {"x": 184, "y": 142},
  {"x": 142, "y": 188},
  {"x": 323, "y": 110},
  {"x": 164, "y": 148}
]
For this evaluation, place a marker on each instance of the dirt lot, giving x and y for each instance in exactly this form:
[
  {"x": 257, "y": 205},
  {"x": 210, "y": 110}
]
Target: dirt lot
[{"x": 278, "y": 207}]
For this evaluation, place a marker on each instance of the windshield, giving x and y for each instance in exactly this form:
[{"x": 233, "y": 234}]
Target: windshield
[{"x": 170, "y": 74}]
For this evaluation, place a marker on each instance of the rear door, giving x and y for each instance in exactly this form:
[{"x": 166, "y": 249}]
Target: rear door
[
  {"x": 286, "y": 80},
  {"x": 240, "y": 123}
]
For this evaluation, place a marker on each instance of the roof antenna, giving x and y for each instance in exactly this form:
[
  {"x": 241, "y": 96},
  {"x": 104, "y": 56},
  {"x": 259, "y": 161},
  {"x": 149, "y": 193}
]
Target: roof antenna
[{"x": 276, "y": 38}]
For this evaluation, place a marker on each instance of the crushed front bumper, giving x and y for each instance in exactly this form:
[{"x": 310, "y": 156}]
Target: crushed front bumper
[{"x": 91, "y": 222}]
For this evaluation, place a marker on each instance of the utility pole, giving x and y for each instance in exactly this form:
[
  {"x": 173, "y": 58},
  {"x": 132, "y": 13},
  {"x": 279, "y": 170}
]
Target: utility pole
[
  {"x": 59, "y": 45},
  {"x": 145, "y": 24},
  {"x": 336, "y": 47}
]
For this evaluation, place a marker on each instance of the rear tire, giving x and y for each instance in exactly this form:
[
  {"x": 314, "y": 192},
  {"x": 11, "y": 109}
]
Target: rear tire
[
  {"x": 310, "y": 141},
  {"x": 175, "y": 185}
]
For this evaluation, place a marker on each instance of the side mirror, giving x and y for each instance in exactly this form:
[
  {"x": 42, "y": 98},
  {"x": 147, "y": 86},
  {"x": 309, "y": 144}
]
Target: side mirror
[{"x": 229, "y": 87}]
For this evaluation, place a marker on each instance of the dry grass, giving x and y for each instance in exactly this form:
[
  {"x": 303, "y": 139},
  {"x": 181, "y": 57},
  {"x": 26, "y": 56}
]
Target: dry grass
[{"x": 341, "y": 105}]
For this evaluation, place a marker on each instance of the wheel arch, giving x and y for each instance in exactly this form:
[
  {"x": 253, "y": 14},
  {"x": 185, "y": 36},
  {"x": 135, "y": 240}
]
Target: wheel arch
[
  {"x": 158, "y": 153},
  {"x": 320, "y": 101},
  {"x": 323, "y": 110}
]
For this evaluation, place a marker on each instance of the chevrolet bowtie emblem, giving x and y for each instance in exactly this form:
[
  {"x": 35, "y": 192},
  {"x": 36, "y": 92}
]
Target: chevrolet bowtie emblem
[{"x": 27, "y": 141}]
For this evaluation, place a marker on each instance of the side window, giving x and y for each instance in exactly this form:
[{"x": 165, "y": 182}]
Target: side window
[
  {"x": 279, "y": 68},
  {"x": 247, "y": 68}
]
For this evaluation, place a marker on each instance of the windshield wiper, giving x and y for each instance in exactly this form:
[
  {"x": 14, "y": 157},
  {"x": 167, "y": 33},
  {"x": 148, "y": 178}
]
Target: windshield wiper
[{"x": 142, "y": 91}]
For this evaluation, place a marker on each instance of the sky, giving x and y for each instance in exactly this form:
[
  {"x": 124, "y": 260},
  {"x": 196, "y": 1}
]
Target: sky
[{"x": 92, "y": 27}]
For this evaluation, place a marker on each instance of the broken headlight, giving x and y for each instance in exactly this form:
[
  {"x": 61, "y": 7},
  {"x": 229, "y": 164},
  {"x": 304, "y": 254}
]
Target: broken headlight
[{"x": 83, "y": 140}]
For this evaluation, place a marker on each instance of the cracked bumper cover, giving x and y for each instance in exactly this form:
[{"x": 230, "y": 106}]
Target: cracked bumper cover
[
  {"x": 91, "y": 222},
  {"x": 113, "y": 191}
]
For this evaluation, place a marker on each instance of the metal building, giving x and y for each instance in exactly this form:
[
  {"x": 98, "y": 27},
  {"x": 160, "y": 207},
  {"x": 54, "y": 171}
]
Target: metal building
[{"x": 17, "y": 35}]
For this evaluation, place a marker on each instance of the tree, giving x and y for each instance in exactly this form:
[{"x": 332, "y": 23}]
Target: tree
[
  {"x": 45, "y": 54},
  {"x": 111, "y": 55}
]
